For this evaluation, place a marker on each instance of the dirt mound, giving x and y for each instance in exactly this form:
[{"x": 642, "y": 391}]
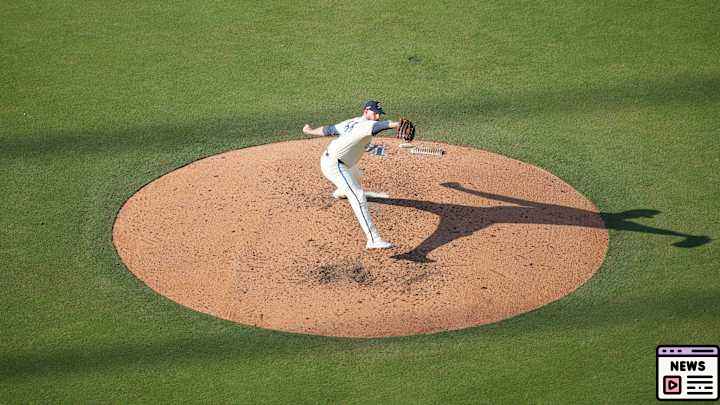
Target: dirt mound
[{"x": 255, "y": 237}]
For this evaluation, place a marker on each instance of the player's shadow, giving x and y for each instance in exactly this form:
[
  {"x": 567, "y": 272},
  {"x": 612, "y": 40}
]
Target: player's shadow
[{"x": 457, "y": 221}]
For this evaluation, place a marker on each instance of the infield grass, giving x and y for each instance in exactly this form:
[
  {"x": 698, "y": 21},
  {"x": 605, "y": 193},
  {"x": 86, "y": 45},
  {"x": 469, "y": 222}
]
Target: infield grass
[{"x": 620, "y": 99}]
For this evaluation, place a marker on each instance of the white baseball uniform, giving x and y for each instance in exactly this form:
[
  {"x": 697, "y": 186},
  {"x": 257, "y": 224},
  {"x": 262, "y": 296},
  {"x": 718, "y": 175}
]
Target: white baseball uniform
[{"x": 339, "y": 165}]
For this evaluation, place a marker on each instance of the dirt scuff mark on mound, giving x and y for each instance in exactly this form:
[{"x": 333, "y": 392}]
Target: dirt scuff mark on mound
[{"x": 340, "y": 273}]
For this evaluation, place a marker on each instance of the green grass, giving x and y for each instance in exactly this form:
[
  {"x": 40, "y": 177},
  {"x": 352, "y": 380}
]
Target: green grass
[{"x": 621, "y": 99}]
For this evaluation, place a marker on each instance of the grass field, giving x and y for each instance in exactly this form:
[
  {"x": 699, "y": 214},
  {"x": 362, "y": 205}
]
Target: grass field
[{"x": 620, "y": 99}]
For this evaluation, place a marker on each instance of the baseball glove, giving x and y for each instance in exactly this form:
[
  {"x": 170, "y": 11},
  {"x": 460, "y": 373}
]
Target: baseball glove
[{"x": 406, "y": 130}]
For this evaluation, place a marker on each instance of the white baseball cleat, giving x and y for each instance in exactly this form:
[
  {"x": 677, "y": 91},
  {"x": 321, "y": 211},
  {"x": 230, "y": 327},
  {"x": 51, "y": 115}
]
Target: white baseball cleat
[
  {"x": 338, "y": 194},
  {"x": 378, "y": 244},
  {"x": 376, "y": 194}
]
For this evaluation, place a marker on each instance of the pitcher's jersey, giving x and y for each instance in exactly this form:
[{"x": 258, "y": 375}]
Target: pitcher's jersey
[{"x": 354, "y": 136}]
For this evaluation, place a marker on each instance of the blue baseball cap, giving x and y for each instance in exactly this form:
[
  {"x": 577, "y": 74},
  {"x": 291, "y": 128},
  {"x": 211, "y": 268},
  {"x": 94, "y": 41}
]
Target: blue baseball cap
[{"x": 374, "y": 106}]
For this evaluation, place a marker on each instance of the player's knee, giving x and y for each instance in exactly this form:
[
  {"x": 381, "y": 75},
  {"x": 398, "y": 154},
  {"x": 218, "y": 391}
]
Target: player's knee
[{"x": 360, "y": 194}]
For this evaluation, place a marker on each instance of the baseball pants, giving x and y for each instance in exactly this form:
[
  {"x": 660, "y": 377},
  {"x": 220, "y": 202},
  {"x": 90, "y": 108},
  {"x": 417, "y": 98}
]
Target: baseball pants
[{"x": 347, "y": 180}]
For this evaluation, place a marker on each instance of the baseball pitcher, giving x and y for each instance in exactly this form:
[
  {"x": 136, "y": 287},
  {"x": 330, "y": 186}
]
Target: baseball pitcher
[{"x": 339, "y": 161}]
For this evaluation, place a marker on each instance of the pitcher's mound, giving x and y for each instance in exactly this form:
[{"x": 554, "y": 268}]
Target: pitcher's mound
[{"x": 255, "y": 237}]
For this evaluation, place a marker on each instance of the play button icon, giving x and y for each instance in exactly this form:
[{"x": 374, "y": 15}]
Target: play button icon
[{"x": 672, "y": 384}]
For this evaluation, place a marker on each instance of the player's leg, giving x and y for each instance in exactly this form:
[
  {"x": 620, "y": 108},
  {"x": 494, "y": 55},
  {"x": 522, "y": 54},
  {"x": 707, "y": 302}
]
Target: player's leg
[
  {"x": 342, "y": 177},
  {"x": 356, "y": 173},
  {"x": 330, "y": 171},
  {"x": 356, "y": 197}
]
